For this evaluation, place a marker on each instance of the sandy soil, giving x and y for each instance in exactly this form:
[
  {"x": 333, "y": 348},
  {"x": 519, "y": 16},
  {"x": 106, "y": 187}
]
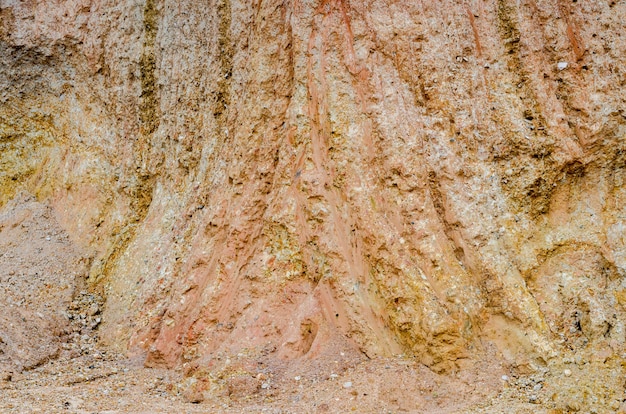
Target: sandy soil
[
  {"x": 52, "y": 362},
  {"x": 100, "y": 383},
  {"x": 90, "y": 384},
  {"x": 268, "y": 178}
]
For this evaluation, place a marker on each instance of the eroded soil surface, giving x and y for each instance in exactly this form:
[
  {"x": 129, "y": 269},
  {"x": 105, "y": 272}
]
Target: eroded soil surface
[{"x": 52, "y": 361}]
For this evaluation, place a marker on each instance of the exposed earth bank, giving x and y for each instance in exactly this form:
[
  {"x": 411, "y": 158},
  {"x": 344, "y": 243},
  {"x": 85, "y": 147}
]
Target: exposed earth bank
[{"x": 407, "y": 205}]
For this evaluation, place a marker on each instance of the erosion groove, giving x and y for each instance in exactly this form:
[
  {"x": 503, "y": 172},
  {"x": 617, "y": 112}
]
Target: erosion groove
[
  {"x": 149, "y": 105},
  {"x": 225, "y": 55}
]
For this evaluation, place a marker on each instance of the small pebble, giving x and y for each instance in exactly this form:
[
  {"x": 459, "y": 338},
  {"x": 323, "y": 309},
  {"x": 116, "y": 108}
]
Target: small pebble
[
  {"x": 297, "y": 378},
  {"x": 265, "y": 385},
  {"x": 561, "y": 65},
  {"x": 505, "y": 378},
  {"x": 347, "y": 384},
  {"x": 567, "y": 372},
  {"x": 93, "y": 309}
]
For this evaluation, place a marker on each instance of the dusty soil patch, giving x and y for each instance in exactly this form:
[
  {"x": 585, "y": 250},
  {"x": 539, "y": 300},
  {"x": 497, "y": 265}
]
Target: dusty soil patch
[
  {"x": 39, "y": 270},
  {"x": 51, "y": 360}
]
